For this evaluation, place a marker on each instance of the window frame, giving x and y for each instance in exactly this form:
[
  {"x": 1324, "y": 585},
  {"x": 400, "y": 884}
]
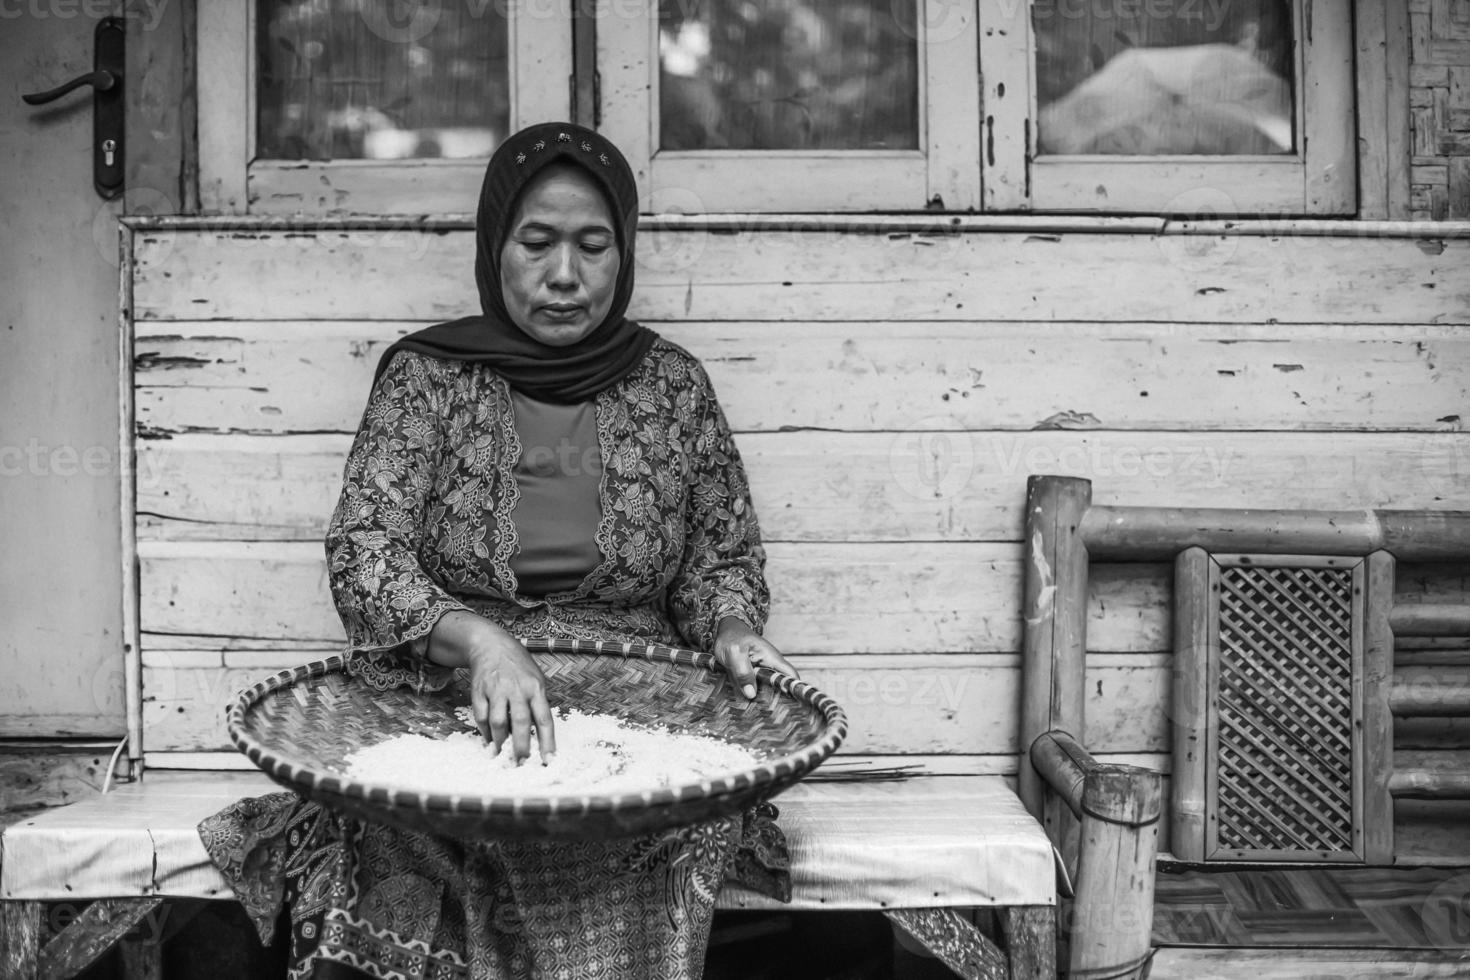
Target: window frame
[
  {"x": 941, "y": 173},
  {"x": 1319, "y": 179},
  {"x": 233, "y": 181},
  {"x": 978, "y": 139}
]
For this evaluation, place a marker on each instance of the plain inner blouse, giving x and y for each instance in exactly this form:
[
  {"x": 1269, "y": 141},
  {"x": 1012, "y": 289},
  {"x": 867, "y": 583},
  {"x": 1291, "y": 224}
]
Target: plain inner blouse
[{"x": 559, "y": 475}]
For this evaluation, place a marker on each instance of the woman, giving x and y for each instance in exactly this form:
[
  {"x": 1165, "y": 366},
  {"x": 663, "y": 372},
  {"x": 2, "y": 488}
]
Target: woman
[{"x": 548, "y": 468}]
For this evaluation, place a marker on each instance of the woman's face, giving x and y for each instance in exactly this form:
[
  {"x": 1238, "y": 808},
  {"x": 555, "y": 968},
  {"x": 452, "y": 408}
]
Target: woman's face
[{"x": 559, "y": 264}]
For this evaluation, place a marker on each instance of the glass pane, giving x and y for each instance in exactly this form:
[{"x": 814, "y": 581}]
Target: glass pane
[
  {"x": 380, "y": 80},
  {"x": 1155, "y": 77},
  {"x": 786, "y": 75}
]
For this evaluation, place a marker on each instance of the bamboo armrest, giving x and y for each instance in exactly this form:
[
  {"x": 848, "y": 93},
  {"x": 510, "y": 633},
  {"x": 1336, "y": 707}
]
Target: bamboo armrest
[
  {"x": 1118, "y": 809},
  {"x": 1112, "y": 792}
]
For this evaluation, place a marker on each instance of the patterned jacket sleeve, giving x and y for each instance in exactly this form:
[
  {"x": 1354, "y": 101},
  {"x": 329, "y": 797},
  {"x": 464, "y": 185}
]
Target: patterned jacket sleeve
[
  {"x": 385, "y": 599},
  {"x": 722, "y": 572}
]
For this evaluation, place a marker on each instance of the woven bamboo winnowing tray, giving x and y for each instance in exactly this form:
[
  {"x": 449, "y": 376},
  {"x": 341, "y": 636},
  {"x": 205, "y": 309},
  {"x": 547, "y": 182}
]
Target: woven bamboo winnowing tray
[{"x": 300, "y": 725}]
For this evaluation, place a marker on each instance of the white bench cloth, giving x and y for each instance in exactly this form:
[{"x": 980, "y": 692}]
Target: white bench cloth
[{"x": 917, "y": 843}]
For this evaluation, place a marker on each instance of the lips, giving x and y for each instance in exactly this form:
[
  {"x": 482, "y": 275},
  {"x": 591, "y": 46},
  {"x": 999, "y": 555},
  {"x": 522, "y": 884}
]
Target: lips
[{"x": 561, "y": 311}]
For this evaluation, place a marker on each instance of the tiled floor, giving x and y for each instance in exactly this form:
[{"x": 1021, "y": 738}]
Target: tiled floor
[{"x": 1413, "y": 908}]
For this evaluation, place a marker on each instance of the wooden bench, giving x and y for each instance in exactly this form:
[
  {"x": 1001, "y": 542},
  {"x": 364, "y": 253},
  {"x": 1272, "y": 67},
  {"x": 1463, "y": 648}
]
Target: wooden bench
[
  {"x": 1298, "y": 665},
  {"x": 971, "y": 844}
]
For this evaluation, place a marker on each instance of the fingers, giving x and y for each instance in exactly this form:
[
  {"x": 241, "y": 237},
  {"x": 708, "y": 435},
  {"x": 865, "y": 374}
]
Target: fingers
[
  {"x": 776, "y": 662},
  {"x": 480, "y": 706},
  {"x": 737, "y": 665},
  {"x": 520, "y": 729},
  {"x": 499, "y": 721},
  {"x": 763, "y": 653},
  {"x": 545, "y": 727}
]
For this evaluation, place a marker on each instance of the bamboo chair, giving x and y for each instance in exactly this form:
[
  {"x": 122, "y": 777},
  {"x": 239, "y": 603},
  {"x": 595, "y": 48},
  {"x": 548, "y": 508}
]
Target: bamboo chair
[{"x": 1283, "y": 697}]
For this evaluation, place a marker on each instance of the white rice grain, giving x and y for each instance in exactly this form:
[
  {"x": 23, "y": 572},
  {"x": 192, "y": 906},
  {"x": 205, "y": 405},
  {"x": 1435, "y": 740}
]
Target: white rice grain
[{"x": 596, "y": 754}]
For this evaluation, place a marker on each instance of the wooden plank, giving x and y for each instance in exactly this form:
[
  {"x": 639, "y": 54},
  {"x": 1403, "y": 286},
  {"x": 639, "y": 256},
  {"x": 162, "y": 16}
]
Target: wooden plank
[
  {"x": 896, "y": 705},
  {"x": 1328, "y": 135},
  {"x": 1398, "y": 66},
  {"x": 831, "y": 486},
  {"x": 948, "y": 47},
  {"x": 830, "y": 598},
  {"x": 789, "y": 275},
  {"x": 1377, "y": 729},
  {"x": 951, "y": 938},
  {"x": 289, "y": 187},
  {"x": 1194, "y": 648},
  {"x": 1370, "y": 31},
  {"x": 1008, "y": 135},
  {"x": 1232, "y": 963},
  {"x": 92, "y": 933},
  {"x": 1181, "y": 186},
  {"x": 305, "y": 376},
  {"x": 42, "y": 774},
  {"x": 158, "y": 103},
  {"x": 224, "y": 101},
  {"x": 127, "y": 503},
  {"x": 1031, "y": 941},
  {"x": 20, "y": 939}
]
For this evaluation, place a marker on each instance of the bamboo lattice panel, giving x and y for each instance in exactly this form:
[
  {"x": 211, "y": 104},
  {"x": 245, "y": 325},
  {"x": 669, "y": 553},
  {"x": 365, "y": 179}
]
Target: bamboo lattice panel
[
  {"x": 1284, "y": 768},
  {"x": 1439, "y": 110}
]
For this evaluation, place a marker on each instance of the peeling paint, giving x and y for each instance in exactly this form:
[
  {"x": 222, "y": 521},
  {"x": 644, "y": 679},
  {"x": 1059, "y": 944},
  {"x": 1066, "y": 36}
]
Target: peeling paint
[
  {"x": 1069, "y": 419},
  {"x": 153, "y": 361},
  {"x": 1047, "y": 595}
]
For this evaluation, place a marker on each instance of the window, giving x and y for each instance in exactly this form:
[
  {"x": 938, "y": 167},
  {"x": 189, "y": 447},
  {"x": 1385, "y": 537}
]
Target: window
[
  {"x": 1103, "y": 106},
  {"x": 1153, "y": 106},
  {"x": 346, "y": 106},
  {"x": 759, "y": 105},
  {"x": 1169, "y": 106}
]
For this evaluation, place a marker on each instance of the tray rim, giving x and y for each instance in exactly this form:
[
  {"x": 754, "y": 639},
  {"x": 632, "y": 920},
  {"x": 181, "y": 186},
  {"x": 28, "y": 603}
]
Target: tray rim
[{"x": 776, "y": 772}]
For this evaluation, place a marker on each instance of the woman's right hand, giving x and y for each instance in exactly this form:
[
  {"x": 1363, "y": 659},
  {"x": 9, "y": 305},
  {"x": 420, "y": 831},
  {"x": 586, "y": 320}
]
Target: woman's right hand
[{"x": 507, "y": 689}]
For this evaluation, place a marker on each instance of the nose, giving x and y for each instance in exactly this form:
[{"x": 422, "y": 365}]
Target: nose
[{"x": 565, "y": 272}]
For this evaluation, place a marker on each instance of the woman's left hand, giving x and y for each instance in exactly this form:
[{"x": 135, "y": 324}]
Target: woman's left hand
[{"x": 740, "y": 649}]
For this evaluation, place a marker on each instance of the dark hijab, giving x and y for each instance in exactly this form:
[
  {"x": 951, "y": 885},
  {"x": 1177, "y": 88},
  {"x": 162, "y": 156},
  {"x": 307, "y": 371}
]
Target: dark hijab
[{"x": 612, "y": 350}]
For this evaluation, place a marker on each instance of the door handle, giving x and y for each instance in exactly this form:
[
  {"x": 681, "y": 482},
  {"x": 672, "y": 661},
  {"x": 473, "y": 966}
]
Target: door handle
[
  {"x": 101, "y": 80},
  {"x": 108, "y": 63}
]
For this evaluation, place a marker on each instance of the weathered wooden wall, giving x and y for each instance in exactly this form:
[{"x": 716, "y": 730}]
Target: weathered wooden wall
[{"x": 891, "y": 391}]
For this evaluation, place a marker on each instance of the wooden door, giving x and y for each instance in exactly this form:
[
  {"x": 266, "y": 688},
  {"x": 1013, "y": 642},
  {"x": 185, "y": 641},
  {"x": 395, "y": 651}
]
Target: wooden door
[{"x": 61, "y": 664}]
